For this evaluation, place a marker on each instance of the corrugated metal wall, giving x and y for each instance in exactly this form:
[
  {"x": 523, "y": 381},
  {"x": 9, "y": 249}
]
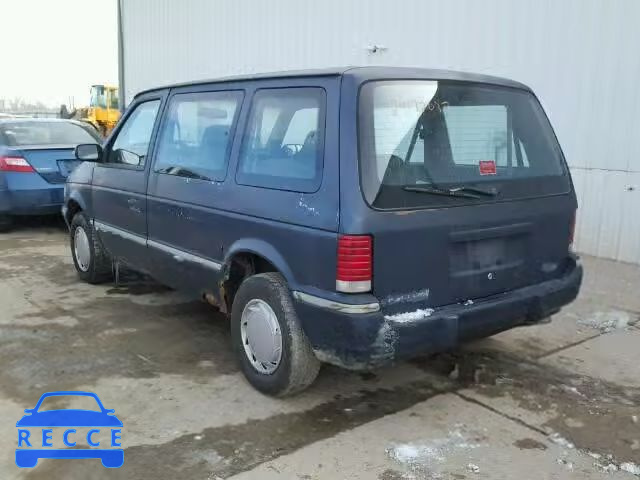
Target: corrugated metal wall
[{"x": 580, "y": 56}]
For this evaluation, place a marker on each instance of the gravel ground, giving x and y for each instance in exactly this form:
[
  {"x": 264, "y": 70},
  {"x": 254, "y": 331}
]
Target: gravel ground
[{"x": 553, "y": 401}]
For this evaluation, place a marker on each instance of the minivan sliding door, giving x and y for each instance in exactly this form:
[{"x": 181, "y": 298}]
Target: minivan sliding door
[{"x": 190, "y": 165}]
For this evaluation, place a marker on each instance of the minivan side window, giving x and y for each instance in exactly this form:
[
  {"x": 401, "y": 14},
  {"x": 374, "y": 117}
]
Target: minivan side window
[
  {"x": 131, "y": 145},
  {"x": 196, "y": 136},
  {"x": 283, "y": 144}
]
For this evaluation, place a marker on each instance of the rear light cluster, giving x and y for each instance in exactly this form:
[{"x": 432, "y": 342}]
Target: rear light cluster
[
  {"x": 572, "y": 228},
  {"x": 15, "y": 164},
  {"x": 354, "y": 263}
]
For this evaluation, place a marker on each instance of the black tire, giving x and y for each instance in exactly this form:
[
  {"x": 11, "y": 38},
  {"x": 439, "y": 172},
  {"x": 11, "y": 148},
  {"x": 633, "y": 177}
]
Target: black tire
[
  {"x": 6, "y": 222},
  {"x": 298, "y": 366},
  {"x": 100, "y": 268}
]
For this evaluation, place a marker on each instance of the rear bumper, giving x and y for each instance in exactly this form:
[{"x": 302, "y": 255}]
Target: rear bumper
[
  {"x": 30, "y": 196},
  {"x": 370, "y": 339}
]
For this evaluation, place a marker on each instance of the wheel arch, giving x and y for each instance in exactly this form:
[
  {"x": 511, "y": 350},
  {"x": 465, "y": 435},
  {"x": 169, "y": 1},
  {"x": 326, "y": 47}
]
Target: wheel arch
[
  {"x": 74, "y": 204},
  {"x": 247, "y": 257}
]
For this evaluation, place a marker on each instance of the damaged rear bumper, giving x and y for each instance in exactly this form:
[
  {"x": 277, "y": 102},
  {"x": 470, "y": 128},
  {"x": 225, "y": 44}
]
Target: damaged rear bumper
[{"x": 359, "y": 336}]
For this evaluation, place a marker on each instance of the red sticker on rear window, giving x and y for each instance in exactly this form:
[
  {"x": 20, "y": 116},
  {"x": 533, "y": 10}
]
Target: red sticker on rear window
[{"x": 487, "y": 167}]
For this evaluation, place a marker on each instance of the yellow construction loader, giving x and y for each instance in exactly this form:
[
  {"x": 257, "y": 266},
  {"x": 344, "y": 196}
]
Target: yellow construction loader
[{"x": 102, "y": 112}]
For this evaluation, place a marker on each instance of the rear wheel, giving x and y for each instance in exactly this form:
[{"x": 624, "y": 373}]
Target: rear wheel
[
  {"x": 89, "y": 257},
  {"x": 271, "y": 348},
  {"x": 5, "y": 223}
]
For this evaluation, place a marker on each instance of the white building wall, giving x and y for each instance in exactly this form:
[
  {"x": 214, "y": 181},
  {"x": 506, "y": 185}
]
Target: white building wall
[{"x": 579, "y": 56}]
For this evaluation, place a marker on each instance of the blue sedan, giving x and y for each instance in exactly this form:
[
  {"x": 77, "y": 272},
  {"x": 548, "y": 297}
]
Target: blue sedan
[{"x": 36, "y": 155}]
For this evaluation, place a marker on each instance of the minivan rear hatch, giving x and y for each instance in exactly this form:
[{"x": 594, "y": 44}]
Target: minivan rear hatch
[{"x": 472, "y": 192}]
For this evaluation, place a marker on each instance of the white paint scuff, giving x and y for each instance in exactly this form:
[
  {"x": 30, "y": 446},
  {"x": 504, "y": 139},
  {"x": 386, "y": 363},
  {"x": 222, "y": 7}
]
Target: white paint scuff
[
  {"x": 573, "y": 390},
  {"x": 566, "y": 463},
  {"x": 610, "y": 466},
  {"x": 309, "y": 210},
  {"x": 632, "y": 468},
  {"x": 560, "y": 440},
  {"x": 409, "y": 297},
  {"x": 607, "y": 321},
  {"x": 423, "y": 456},
  {"x": 413, "y": 316},
  {"x": 602, "y": 463},
  {"x": 473, "y": 468},
  {"x": 606, "y": 467}
]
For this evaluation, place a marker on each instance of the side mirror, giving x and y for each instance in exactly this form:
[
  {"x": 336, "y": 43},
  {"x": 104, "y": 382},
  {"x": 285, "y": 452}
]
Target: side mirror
[
  {"x": 109, "y": 411},
  {"x": 89, "y": 152},
  {"x": 28, "y": 410}
]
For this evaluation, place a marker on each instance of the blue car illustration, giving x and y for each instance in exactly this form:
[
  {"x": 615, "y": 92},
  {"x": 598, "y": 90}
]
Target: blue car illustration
[{"x": 28, "y": 457}]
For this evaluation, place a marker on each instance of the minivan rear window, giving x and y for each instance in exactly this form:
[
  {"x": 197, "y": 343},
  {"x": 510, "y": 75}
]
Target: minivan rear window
[{"x": 431, "y": 143}]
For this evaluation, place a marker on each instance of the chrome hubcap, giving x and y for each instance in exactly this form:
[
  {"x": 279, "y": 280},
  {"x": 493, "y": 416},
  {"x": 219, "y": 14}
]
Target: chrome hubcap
[
  {"x": 81, "y": 249},
  {"x": 261, "y": 336}
]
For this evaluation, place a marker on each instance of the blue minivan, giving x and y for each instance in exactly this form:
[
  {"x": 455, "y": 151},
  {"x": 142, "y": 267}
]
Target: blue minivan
[{"x": 351, "y": 216}]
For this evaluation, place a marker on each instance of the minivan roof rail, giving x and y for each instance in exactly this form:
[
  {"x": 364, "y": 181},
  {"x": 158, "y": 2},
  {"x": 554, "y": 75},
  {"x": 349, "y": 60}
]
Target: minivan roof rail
[{"x": 363, "y": 73}]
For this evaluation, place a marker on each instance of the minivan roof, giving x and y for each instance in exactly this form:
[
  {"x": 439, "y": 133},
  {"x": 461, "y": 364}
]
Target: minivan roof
[{"x": 360, "y": 74}]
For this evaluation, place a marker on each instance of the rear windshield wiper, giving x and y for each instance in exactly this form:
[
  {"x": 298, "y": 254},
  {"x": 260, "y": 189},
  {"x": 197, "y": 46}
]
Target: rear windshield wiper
[{"x": 439, "y": 191}]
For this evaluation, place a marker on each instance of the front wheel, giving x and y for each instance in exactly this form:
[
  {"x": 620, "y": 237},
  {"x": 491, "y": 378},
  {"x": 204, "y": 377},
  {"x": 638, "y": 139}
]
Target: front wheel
[
  {"x": 89, "y": 257},
  {"x": 271, "y": 348}
]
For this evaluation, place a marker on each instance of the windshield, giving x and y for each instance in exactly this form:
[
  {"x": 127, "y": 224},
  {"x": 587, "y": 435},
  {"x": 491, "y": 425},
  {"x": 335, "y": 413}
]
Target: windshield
[
  {"x": 113, "y": 98},
  {"x": 419, "y": 135},
  {"x": 63, "y": 402},
  {"x": 98, "y": 97},
  {"x": 20, "y": 134}
]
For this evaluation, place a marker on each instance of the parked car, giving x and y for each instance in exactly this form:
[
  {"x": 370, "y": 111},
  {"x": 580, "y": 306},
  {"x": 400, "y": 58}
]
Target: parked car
[
  {"x": 354, "y": 216},
  {"x": 36, "y": 155}
]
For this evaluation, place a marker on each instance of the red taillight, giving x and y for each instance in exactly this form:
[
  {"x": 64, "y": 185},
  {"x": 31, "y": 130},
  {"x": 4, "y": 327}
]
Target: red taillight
[
  {"x": 15, "y": 164},
  {"x": 572, "y": 228},
  {"x": 354, "y": 265}
]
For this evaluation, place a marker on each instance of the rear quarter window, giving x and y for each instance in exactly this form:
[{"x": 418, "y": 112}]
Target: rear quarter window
[{"x": 283, "y": 144}]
